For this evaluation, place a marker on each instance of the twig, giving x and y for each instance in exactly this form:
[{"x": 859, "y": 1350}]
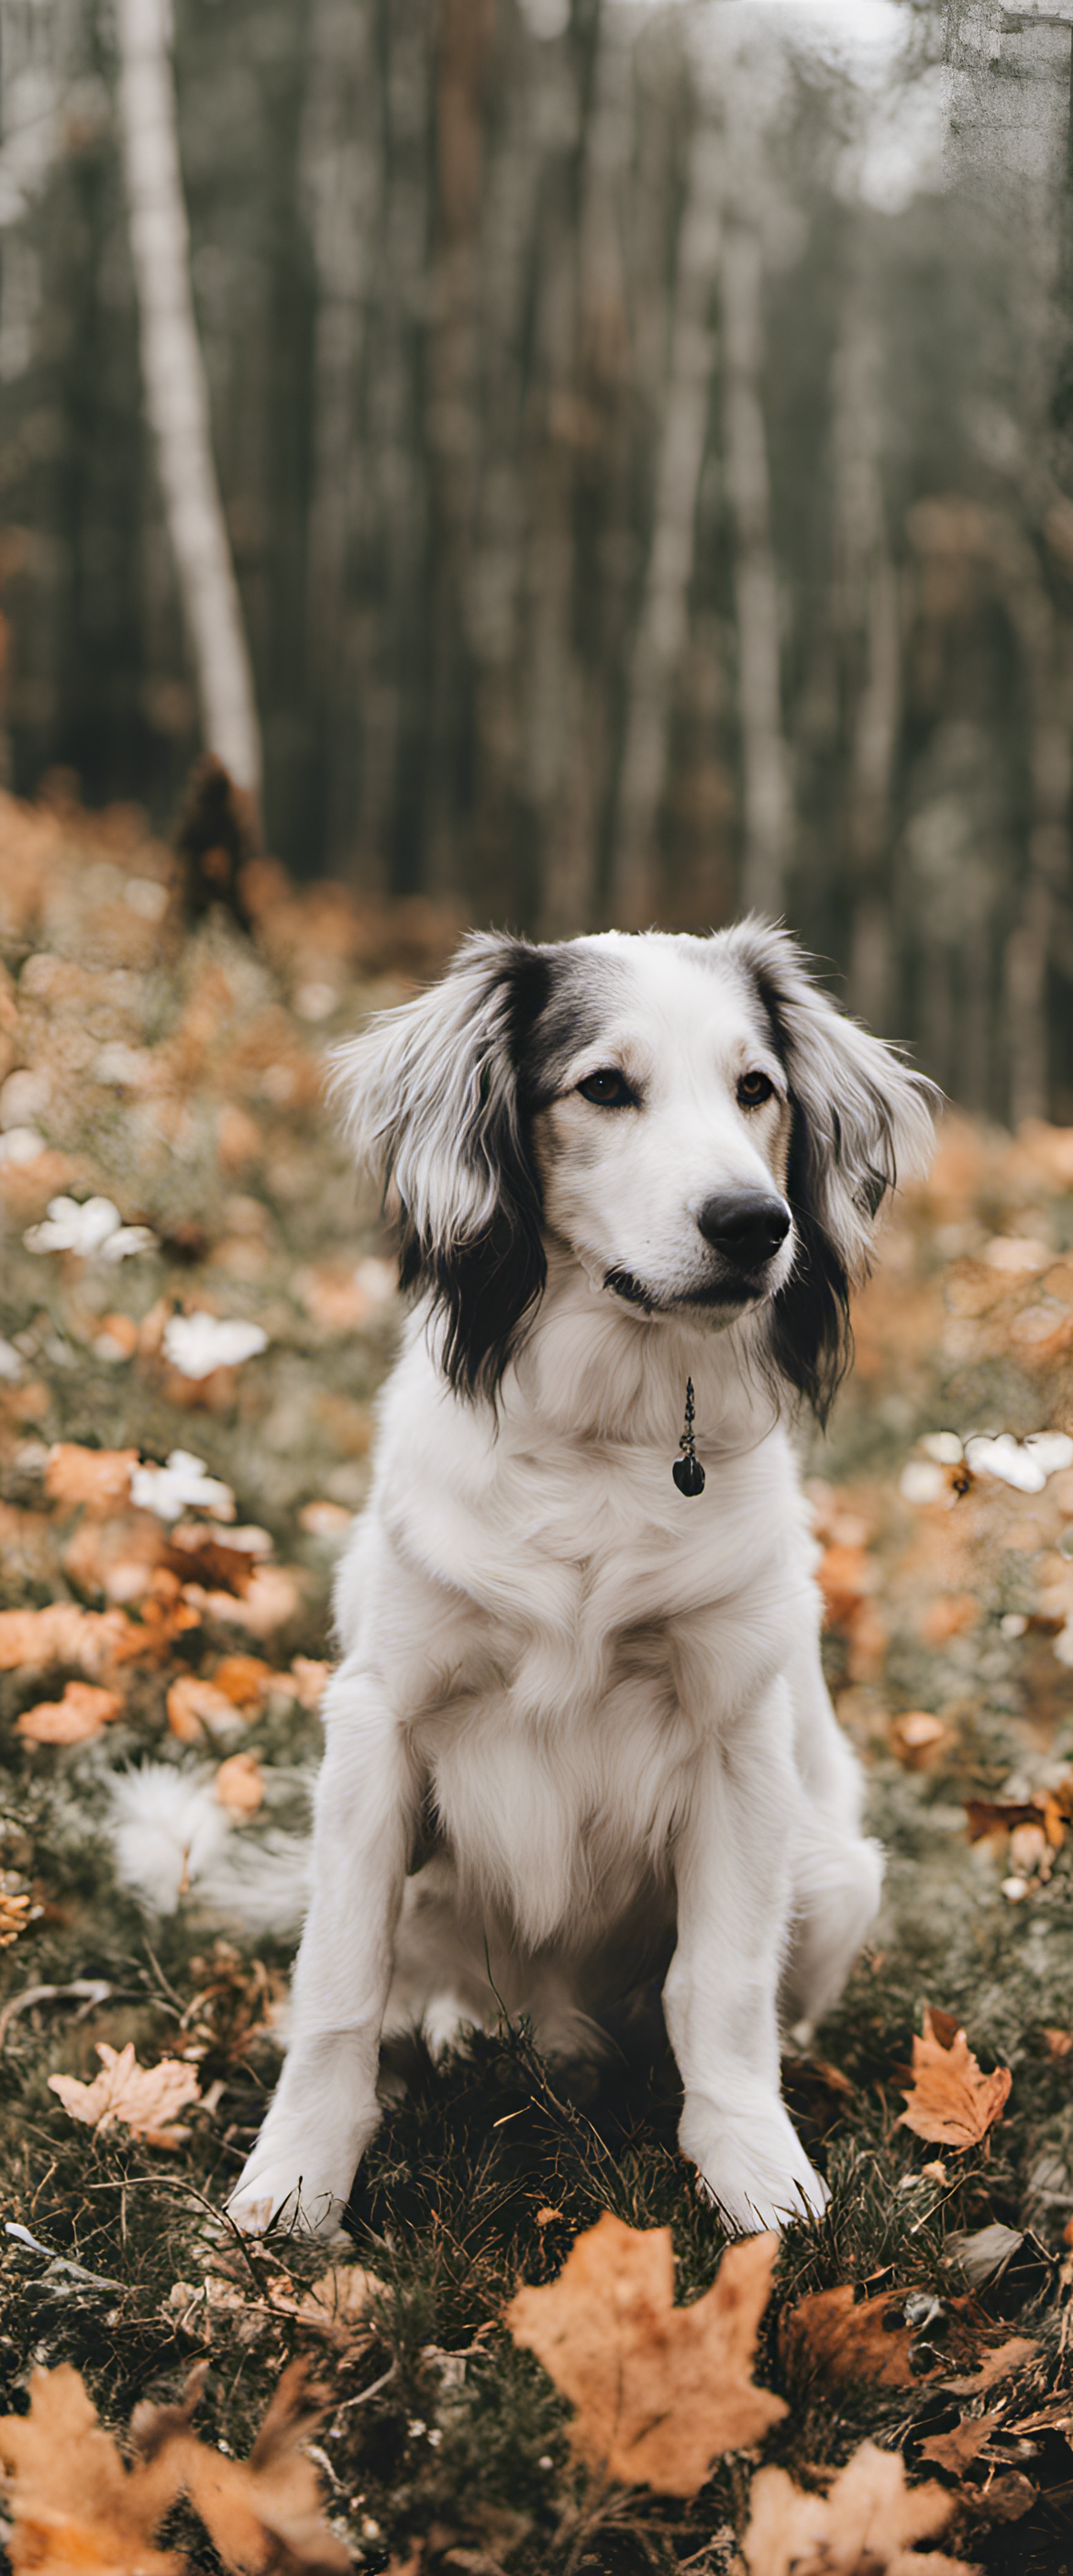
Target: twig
[
  {"x": 90, "y": 1990},
  {"x": 365, "y": 2393}
]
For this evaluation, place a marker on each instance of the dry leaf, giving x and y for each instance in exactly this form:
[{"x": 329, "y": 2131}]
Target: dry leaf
[
  {"x": 336, "y": 2305},
  {"x": 866, "y": 2525},
  {"x": 143, "y": 2098},
  {"x": 75, "y": 2507},
  {"x": 951, "y": 2102},
  {"x": 74, "y": 1719},
  {"x": 841, "y": 2337},
  {"x": 917, "y": 1738},
  {"x": 245, "y": 1680},
  {"x": 262, "y": 2513},
  {"x": 1000, "y": 2364},
  {"x": 957, "y": 2450},
  {"x": 310, "y": 1680},
  {"x": 78, "y": 2512},
  {"x": 660, "y": 2391},
  {"x": 1008, "y": 1816},
  {"x": 195, "y": 1707},
  {"x": 97, "y": 1478},
  {"x": 240, "y": 1784},
  {"x": 1059, "y": 2042},
  {"x": 62, "y": 1634}
]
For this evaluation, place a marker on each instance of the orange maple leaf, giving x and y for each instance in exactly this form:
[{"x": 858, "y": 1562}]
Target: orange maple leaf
[
  {"x": 79, "y": 2512},
  {"x": 239, "y": 1784},
  {"x": 144, "y": 2099},
  {"x": 660, "y": 2391},
  {"x": 97, "y": 1478},
  {"x": 869, "y": 2519},
  {"x": 74, "y": 1719},
  {"x": 951, "y": 2102}
]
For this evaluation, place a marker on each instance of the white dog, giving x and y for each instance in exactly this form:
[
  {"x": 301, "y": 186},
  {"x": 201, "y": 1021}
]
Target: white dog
[{"x": 579, "y": 1697}]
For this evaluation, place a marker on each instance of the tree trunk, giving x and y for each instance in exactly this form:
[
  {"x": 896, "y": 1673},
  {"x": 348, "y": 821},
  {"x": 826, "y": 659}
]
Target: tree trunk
[
  {"x": 765, "y": 766},
  {"x": 869, "y": 620},
  {"x": 661, "y": 628},
  {"x": 176, "y": 394}
]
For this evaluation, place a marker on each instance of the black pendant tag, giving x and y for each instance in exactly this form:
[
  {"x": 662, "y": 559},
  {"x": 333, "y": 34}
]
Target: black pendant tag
[{"x": 687, "y": 1470}]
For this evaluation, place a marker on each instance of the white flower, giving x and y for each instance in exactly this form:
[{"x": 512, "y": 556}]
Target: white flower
[
  {"x": 1025, "y": 1466},
  {"x": 172, "y": 1489},
  {"x": 85, "y": 1227},
  {"x": 21, "y": 1145},
  {"x": 922, "y": 1481},
  {"x": 197, "y": 1344},
  {"x": 944, "y": 1447}
]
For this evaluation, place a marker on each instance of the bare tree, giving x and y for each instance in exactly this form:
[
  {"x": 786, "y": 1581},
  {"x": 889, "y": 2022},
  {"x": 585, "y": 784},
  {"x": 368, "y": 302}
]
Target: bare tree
[
  {"x": 868, "y": 616},
  {"x": 765, "y": 765},
  {"x": 176, "y": 394},
  {"x": 661, "y": 627}
]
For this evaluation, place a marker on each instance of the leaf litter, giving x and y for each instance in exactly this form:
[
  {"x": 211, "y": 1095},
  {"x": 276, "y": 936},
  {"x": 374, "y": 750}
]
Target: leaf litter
[{"x": 184, "y": 1431}]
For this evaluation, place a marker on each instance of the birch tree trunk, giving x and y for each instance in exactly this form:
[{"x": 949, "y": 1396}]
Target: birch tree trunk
[
  {"x": 1047, "y": 658},
  {"x": 661, "y": 628},
  {"x": 176, "y": 394},
  {"x": 765, "y": 764},
  {"x": 340, "y": 172},
  {"x": 868, "y": 616},
  {"x": 586, "y": 425}
]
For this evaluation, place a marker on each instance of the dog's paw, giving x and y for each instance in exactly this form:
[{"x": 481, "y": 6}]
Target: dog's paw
[
  {"x": 298, "y": 2189},
  {"x": 754, "y": 2169}
]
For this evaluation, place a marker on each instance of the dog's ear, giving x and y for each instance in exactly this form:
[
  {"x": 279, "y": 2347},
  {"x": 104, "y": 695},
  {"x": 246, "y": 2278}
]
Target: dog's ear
[
  {"x": 432, "y": 1105},
  {"x": 861, "y": 1120}
]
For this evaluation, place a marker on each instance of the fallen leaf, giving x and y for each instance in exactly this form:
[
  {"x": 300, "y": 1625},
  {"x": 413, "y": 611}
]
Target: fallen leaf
[
  {"x": 838, "y": 2336},
  {"x": 144, "y": 2099},
  {"x": 261, "y": 2513},
  {"x": 659, "y": 2391},
  {"x": 999, "y": 2364},
  {"x": 1059, "y": 2042},
  {"x": 844, "y": 1576},
  {"x": 17, "y": 1909},
  {"x": 866, "y": 2525},
  {"x": 78, "y": 2511},
  {"x": 951, "y": 2102},
  {"x": 336, "y": 2305},
  {"x": 97, "y": 1478},
  {"x": 75, "y": 2506},
  {"x": 245, "y": 1680},
  {"x": 61, "y": 1634},
  {"x": 214, "y": 1566},
  {"x": 1044, "y": 1813},
  {"x": 240, "y": 1784},
  {"x": 84, "y": 1709},
  {"x": 957, "y": 2450},
  {"x": 917, "y": 1738},
  {"x": 310, "y": 1680},
  {"x": 195, "y": 1707}
]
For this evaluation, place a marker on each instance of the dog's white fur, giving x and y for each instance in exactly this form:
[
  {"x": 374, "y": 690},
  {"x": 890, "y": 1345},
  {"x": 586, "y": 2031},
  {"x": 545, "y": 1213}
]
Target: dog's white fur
[{"x": 602, "y": 1699}]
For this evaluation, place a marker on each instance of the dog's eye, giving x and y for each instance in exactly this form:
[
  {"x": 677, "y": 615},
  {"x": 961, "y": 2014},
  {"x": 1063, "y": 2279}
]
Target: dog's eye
[
  {"x": 608, "y": 1089},
  {"x": 754, "y": 1089}
]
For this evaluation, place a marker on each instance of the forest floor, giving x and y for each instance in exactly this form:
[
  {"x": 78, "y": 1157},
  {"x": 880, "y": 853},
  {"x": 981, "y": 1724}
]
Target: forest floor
[{"x": 227, "y": 1298}]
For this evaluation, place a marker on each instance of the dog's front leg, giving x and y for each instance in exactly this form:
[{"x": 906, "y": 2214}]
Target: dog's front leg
[
  {"x": 325, "y": 2108},
  {"x": 732, "y": 1867}
]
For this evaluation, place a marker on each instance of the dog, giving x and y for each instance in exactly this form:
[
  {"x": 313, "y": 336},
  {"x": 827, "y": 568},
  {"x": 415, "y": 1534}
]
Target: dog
[{"x": 580, "y": 1700}]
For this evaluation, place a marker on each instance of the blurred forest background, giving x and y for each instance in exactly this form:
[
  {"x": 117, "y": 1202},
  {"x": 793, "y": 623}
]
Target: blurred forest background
[{"x": 637, "y": 468}]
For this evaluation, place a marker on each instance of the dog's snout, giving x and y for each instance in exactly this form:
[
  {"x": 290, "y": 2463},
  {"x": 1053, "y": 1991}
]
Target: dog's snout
[{"x": 745, "y": 1226}]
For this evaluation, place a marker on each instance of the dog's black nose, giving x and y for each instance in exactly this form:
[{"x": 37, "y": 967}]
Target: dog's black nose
[{"x": 746, "y": 1226}]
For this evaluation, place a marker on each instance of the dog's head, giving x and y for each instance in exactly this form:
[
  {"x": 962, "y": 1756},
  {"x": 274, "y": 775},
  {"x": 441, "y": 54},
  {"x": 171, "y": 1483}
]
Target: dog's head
[{"x": 692, "y": 1119}]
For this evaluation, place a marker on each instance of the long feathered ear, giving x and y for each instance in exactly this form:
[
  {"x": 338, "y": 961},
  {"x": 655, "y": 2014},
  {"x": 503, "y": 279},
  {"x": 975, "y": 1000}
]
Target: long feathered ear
[
  {"x": 432, "y": 1106},
  {"x": 861, "y": 1120}
]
